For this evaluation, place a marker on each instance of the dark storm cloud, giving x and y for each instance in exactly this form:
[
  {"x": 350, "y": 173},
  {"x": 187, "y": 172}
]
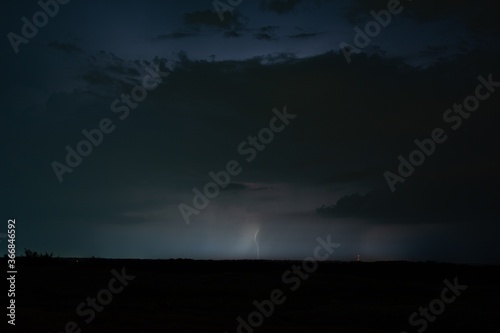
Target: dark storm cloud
[
  {"x": 435, "y": 50},
  {"x": 233, "y": 34},
  {"x": 267, "y": 33},
  {"x": 65, "y": 47},
  {"x": 356, "y": 175},
  {"x": 124, "y": 71},
  {"x": 440, "y": 51},
  {"x": 477, "y": 16},
  {"x": 278, "y": 57},
  {"x": 207, "y": 18},
  {"x": 424, "y": 202},
  {"x": 331, "y": 112},
  {"x": 262, "y": 188},
  {"x": 306, "y": 35},
  {"x": 376, "y": 49},
  {"x": 246, "y": 187},
  {"x": 177, "y": 35},
  {"x": 279, "y": 6},
  {"x": 232, "y": 26},
  {"x": 456, "y": 183},
  {"x": 98, "y": 78},
  {"x": 107, "y": 73},
  {"x": 235, "y": 187}
]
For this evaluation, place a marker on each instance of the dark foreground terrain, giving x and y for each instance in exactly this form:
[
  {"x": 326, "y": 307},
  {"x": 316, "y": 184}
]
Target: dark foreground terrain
[{"x": 209, "y": 296}]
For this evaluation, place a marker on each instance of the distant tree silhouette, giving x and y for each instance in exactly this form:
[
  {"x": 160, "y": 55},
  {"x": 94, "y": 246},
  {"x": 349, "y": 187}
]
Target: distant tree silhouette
[{"x": 33, "y": 254}]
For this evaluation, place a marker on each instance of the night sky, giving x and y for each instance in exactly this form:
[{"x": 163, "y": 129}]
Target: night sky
[{"x": 216, "y": 83}]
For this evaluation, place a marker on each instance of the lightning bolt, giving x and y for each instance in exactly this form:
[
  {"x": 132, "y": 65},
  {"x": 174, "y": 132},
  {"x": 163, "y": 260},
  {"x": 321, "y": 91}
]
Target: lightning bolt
[{"x": 257, "y": 243}]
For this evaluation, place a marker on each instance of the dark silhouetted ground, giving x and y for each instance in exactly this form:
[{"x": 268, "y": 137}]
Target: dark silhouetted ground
[{"x": 208, "y": 296}]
